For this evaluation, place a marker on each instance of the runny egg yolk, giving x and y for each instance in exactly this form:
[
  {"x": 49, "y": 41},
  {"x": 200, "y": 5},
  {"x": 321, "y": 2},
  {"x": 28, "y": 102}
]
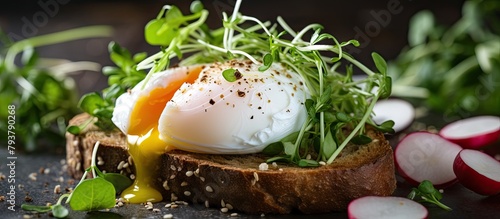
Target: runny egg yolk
[{"x": 144, "y": 142}]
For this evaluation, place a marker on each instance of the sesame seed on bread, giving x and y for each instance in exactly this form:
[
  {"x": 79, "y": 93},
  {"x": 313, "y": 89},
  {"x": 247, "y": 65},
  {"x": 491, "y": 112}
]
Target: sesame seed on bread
[{"x": 242, "y": 182}]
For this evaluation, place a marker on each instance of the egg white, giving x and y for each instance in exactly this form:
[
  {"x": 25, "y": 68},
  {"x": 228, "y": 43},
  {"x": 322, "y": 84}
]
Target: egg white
[{"x": 215, "y": 116}]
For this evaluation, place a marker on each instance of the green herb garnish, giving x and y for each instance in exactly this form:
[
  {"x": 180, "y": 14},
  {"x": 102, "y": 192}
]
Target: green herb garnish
[
  {"x": 120, "y": 78},
  {"x": 44, "y": 94},
  {"x": 454, "y": 70},
  {"x": 337, "y": 103},
  {"x": 90, "y": 194},
  {"x": 426, "y": 192}
]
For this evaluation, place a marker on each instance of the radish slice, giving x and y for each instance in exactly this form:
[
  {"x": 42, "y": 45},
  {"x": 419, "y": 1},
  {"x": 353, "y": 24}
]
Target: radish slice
[
  {"x": 425, "y": 156},
  {"x": 474, "y": 132},
  {"x": 478, "y": 172},
  {"x": 385, "y": 207},
  {"x": 397, "y": 110}
]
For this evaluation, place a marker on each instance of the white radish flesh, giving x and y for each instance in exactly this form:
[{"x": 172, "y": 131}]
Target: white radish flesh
[
  {"x": 426, "y": 156},
  {"x": 397, "y": 110},
  {"x": 474, "y": 132},
  {"x": 478, "y": 172},
  {"x": 376, "y": 207}
]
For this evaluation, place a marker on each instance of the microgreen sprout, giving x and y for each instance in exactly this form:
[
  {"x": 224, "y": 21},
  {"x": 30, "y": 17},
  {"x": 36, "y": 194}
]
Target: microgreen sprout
[
  {"x": 103, "y": 188},
  {"x": 337, "y": 102},
  {"x": 426, "y": 192},
  {"x": 41, "y": 88}
]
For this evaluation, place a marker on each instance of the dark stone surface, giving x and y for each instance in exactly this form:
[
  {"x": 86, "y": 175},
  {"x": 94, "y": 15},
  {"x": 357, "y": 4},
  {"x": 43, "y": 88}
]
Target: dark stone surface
[{"x": 465, "y": 203}]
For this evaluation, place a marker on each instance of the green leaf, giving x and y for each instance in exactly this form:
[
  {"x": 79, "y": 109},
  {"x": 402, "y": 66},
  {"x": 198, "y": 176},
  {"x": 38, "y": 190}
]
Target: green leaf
[
  {"x": 426, "y": 187},
  {"x": 386, "y": 127},
  {"x": 361, "y": 140},
  {"x": 342, "y": 117},
  {"x": 90, "y": 102},
  {"x": 289, "y": 148},
  {"x": 386, "y": 88},
  {"x": 285, "y": 158},
  {"x": 267, "y": 60},
  {"x": 273, "y": 149},
  {"x": 421, "y": 26},
  {"x": 59, "y": 211},
  {"x": 93, "y": 194},
  {"x": 29, "y": 57},
  {"x": 231, "y": 75},
  {"x": 196, "y": 6},
  {"x": 36, "y": 208},
  {"x": 119, "y": 181},
  {"x": 329, "y": 146},
  {"x": 379, "y": 63},
  {"x": 75, "y": 130},
  {"x": 308, "y": 163}
]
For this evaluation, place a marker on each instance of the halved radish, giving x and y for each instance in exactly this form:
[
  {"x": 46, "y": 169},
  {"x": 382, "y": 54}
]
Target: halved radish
[
  {"x": 478, "y": 172},
  {"x": 426, "y": 156},
  {"x": 474, "y": 132},
  {"x": 385, "y": 207},
  {"x": 397, "y": 110}
]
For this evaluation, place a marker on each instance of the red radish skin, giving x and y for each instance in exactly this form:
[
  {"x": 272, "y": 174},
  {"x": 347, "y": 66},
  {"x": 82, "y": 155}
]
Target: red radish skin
[
  {"x": 426, "y": 156},
  {"x": 374, "y": 207},
  {"x": 474, "y": 132},
  {"x": 478, "y": 172}
]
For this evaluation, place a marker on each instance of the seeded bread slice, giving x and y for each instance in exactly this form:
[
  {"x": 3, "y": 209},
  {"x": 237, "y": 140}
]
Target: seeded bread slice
[{"x": 236, "y": 181}]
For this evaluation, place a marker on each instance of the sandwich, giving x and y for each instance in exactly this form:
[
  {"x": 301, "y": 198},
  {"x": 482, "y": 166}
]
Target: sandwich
[{"x": 252, "y": 117}]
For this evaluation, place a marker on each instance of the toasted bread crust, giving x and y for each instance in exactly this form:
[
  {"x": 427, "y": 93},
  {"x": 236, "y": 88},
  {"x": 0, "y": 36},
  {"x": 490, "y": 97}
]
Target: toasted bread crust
[{"x": 235, "y": 181}]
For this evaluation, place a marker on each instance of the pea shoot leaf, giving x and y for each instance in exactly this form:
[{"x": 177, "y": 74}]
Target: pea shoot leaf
[{"x": 93, "y": 194}]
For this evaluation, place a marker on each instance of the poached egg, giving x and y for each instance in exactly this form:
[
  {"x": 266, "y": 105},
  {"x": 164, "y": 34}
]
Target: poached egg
[{"x": 196, "y": 109}]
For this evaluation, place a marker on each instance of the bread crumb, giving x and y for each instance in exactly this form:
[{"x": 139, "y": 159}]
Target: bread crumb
[
  {"x": 165, "y": 185},
  {"x": 173, "y": 197},
  {"x": 263, "y": 166},
  {"x": 57, "y": 189},
  {"x": 130, "y": 160},
  {"x": 181, "y": 202},
  {"x": 100, "y": 161},
  {"x": 120, "y": 165},
  {"x": 256, "y": 176},
  {"x": 168, "y": 216}
]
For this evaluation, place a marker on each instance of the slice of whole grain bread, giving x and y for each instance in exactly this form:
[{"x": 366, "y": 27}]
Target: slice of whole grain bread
[{"x": 236, "y": 181}]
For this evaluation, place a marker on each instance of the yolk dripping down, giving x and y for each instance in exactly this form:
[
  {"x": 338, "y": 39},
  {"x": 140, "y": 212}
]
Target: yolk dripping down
[{"x": 144, "y": 143}]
